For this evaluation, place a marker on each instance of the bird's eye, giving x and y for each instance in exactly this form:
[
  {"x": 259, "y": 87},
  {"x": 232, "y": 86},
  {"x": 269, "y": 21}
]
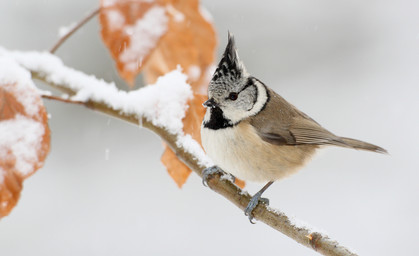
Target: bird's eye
[{"x": 233, "y": 96}]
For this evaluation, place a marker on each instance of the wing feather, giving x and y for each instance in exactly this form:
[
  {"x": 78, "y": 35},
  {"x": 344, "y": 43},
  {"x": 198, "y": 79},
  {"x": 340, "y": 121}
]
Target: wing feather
[{"x": 280, "y": 123}]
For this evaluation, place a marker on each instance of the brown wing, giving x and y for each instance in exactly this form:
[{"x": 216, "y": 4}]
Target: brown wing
[
  {"x": 307, "y": 131},
  {"x": 281, "y": 123}
]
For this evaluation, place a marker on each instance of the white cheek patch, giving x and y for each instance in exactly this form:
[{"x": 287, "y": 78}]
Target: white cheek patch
[
  {"x": 236, "y": 115},
  {"x": 261, "y": 99}
]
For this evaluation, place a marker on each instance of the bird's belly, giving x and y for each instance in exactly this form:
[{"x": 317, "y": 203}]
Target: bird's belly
[{"x": 240, "y": 151}]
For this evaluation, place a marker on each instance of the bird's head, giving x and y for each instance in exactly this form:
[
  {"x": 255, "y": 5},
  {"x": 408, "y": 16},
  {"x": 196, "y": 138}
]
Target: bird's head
[{"x": 232, "y": 89}]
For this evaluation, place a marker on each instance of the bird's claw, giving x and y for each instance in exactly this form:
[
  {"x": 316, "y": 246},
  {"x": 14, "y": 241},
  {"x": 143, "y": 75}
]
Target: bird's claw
[
  {"x": 207, "y": 172},
  {"x": 233, "y": 178},
  {"x": 254, "y": 201}
]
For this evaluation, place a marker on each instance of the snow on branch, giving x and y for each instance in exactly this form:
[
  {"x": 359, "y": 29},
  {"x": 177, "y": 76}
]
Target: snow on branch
[
  {"x": 160, "y": 108},
  {"x": 163, "y": 103}
]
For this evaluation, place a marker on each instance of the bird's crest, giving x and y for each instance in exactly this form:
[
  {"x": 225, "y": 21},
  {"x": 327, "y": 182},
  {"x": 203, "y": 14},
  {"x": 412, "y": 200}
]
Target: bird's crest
[{"x": 230, "y": 66}]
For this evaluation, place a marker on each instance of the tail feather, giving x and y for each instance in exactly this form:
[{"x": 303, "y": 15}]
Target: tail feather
[{"x": 357, "y": 144}]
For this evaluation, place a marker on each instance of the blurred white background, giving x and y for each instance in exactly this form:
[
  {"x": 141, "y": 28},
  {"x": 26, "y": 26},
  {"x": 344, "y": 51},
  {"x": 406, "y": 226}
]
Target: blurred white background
[{"x": 351, "y": 65}]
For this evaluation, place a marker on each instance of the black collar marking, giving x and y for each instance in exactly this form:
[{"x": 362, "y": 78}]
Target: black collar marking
[
  {"x": 249, "y": 83},
  {"x": 217, "y": 120}
]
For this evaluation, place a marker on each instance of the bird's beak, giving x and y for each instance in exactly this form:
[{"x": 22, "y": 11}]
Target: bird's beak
[{"x": 210, "y": 103}]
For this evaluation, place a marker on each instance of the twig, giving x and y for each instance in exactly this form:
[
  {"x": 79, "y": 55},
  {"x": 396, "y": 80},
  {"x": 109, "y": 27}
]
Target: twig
[
  {"x": 273, "y": 218},
  {"x": 62, "y": 39},
  {"x": 51, "y": 97}
]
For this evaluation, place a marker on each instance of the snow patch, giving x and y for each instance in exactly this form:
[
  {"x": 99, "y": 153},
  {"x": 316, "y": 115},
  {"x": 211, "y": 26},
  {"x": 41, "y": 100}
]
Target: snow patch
[
  {"x": 192, "y": 146},
  {"x": 144, "y": 36},
  {"x": 22, "y": 137},
  {"x": 115, "y": 19},
  {"x": 17, "y": 81},
  {"x": 177, "y": 15},
  {"x": 228, "y": 177}
]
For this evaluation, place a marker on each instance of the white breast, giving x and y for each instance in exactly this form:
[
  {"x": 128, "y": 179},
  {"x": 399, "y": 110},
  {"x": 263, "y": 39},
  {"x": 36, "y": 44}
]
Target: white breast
[{"x": 240, "y": 151}]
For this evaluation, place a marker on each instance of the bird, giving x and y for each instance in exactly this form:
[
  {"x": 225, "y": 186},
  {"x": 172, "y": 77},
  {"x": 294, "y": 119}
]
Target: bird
[{"x": 252, "y": 133}]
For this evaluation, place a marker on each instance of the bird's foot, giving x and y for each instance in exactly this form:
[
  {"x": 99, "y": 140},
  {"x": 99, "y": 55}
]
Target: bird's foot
[
  {"x": 207, "y": 172},
  {"x": 233, "y": 178},
  {"x": 254, "y": 201}
]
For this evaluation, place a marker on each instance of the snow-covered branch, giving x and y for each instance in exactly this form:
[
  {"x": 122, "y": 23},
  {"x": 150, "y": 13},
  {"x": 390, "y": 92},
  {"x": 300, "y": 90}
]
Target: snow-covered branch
[{"x": 160, "y": 108}]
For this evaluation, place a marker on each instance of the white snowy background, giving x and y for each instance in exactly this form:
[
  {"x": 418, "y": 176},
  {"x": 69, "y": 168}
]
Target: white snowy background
[{"x": 351, "y": 65}]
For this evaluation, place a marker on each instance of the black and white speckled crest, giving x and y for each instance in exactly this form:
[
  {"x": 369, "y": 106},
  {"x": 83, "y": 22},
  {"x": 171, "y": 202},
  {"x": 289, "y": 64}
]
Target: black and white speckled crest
[{"x": 230, "y": 71}]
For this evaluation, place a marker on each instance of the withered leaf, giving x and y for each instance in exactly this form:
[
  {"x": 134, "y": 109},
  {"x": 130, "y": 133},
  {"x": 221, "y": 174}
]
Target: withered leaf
[{"x": 24, "y": 142}]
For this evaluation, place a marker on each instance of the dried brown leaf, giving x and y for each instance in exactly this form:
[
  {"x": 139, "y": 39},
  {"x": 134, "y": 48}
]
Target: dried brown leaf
[
  {"x": 20, "y": 156},
  {"x": 189, "y": 42},
  {"x": 131, "y": 29},
  {"x": 176, "y": 169}
]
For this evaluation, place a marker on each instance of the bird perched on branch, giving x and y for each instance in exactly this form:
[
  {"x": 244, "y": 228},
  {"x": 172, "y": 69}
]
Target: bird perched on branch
[{"x": 254, "y": 134}]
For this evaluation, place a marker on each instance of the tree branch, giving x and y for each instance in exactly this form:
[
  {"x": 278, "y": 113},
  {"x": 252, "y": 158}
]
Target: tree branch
[
  {"x": 273, "y": 218},
  {"x": 51, "y": 97},
  {"x": 63, "y": 38}
]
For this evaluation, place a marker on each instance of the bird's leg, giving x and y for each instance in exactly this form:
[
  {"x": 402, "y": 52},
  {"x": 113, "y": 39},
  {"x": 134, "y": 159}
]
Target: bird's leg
[
  {"x": 207, "y": 172},
  {"x": 255, "y": 200}
]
